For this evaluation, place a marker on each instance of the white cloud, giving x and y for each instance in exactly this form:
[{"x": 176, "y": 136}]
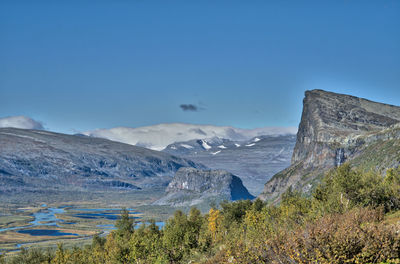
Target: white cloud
[
  {"x": 20, "y": 122},
  {"x": 158, "y": 137}
]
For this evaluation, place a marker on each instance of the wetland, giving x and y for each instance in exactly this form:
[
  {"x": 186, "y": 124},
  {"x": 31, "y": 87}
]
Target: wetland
[{"x": 69, "y": 224}]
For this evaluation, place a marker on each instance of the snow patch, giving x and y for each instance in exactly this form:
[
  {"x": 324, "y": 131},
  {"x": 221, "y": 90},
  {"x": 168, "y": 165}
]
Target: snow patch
[
  {"x": 186, "y": 146},
  {"x": 215, "y": 153},
  {"x": 250, "y": 145},
  {"x": 237, "y": 145},
  {"x": 280, "y": 152},
  {"x": 222, "y": 147},
  {"x": 205, "y": 145},
  {"x": 256, "y": 139}
]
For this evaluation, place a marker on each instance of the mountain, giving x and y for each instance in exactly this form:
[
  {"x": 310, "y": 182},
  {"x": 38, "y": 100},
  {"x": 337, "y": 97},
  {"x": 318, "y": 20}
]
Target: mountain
[
  {"x": 41, "y": 162},
  {"x": 255, "y": 161},
  {"x": 192, "y": 186},
  {"x": 158, "y": 137},
  {"x": 336, "y": 128}
]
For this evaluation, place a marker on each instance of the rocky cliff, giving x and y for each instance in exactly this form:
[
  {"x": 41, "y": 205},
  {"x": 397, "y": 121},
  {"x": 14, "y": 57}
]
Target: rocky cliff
[
  {"x": 192, "y": 186},
  {"x": 335, "y": 128}
]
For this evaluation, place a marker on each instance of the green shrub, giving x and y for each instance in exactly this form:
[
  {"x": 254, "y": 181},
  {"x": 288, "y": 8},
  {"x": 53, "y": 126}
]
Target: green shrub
[
  {"x": 357, "y": 236},
  {"x": 346, "y": 188}
]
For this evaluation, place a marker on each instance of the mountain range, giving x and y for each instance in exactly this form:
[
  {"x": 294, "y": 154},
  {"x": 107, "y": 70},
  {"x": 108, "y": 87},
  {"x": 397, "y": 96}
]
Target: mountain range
[
  {"x": 158, "y": 137},
  {"x": 40, "y": 162}
]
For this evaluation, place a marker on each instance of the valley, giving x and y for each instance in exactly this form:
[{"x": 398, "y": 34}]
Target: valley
[{"x": 71, "y": 189}]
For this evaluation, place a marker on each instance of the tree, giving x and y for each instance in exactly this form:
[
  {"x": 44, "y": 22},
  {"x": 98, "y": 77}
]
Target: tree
[
  {"x": 117, "y": 244},
  {"x": 146, "y": 244},
  {"x": 124, "y": 224},
  {"x": 61, "y": 256},
  {"x": 214, "y": 223},
  {"x": 233, "y": 213},
  {"x": 174, "y": 236}
]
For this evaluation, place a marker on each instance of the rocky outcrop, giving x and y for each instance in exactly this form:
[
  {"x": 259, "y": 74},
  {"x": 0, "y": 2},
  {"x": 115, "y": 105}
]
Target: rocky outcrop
[
  {"x": 192, "y": 186},
  {"x": 331, "y": 119},
  {"x": 334, "y": 128},
  {"x": 33, "y": 161}
]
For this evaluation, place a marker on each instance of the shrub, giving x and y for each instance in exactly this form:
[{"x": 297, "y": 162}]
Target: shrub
[
  {"x": 358, "y": 236},
  {"x": 345, "y": 188}
]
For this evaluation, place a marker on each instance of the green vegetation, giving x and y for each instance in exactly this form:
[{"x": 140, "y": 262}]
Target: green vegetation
[
  {"x": 351, "y": 217},
  {"x": 380, "y": 154}
]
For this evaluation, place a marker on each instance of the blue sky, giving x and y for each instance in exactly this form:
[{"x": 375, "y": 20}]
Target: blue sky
[{"x": 81, "y": 65}]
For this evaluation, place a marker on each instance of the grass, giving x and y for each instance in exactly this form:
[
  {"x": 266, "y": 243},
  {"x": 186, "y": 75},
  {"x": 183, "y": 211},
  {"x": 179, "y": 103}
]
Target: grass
[{"x": 8, "y": 221}]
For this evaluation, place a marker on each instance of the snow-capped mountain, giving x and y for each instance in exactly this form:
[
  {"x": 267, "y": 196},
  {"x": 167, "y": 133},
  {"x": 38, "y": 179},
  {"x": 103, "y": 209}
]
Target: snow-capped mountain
[
  {"x": 158, "y": 137},
  {"x": 255, "y": 160}
]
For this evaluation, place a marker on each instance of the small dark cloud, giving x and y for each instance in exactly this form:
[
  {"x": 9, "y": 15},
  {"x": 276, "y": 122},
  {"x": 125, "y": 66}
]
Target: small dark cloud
[{"x": 189, "y": 107}]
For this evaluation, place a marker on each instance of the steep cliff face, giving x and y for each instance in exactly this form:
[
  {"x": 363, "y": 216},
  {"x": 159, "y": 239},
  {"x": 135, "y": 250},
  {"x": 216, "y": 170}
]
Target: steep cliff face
[
  {"x": 331, "y": 119},
  {"x": 334, "y": 128},
  {"x": 192, "y": 186}
]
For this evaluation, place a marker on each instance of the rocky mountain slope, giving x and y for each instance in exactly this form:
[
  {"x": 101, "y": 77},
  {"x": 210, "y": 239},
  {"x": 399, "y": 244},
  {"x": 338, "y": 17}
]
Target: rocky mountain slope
[
  {"x": 42, "y": 162},
  {"x": 335, "y": 128},
  {"x": 193, "y": 186},
  {"x": 255, "y": 161}
]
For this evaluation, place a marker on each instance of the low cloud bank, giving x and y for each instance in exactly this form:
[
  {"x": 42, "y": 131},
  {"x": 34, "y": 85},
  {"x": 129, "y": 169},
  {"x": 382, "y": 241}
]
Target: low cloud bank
[{"x": 23, "y": 122}]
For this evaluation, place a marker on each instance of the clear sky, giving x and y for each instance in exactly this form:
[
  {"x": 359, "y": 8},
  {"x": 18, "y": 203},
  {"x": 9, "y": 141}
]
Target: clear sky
[{"x": 81, "y": 65}]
